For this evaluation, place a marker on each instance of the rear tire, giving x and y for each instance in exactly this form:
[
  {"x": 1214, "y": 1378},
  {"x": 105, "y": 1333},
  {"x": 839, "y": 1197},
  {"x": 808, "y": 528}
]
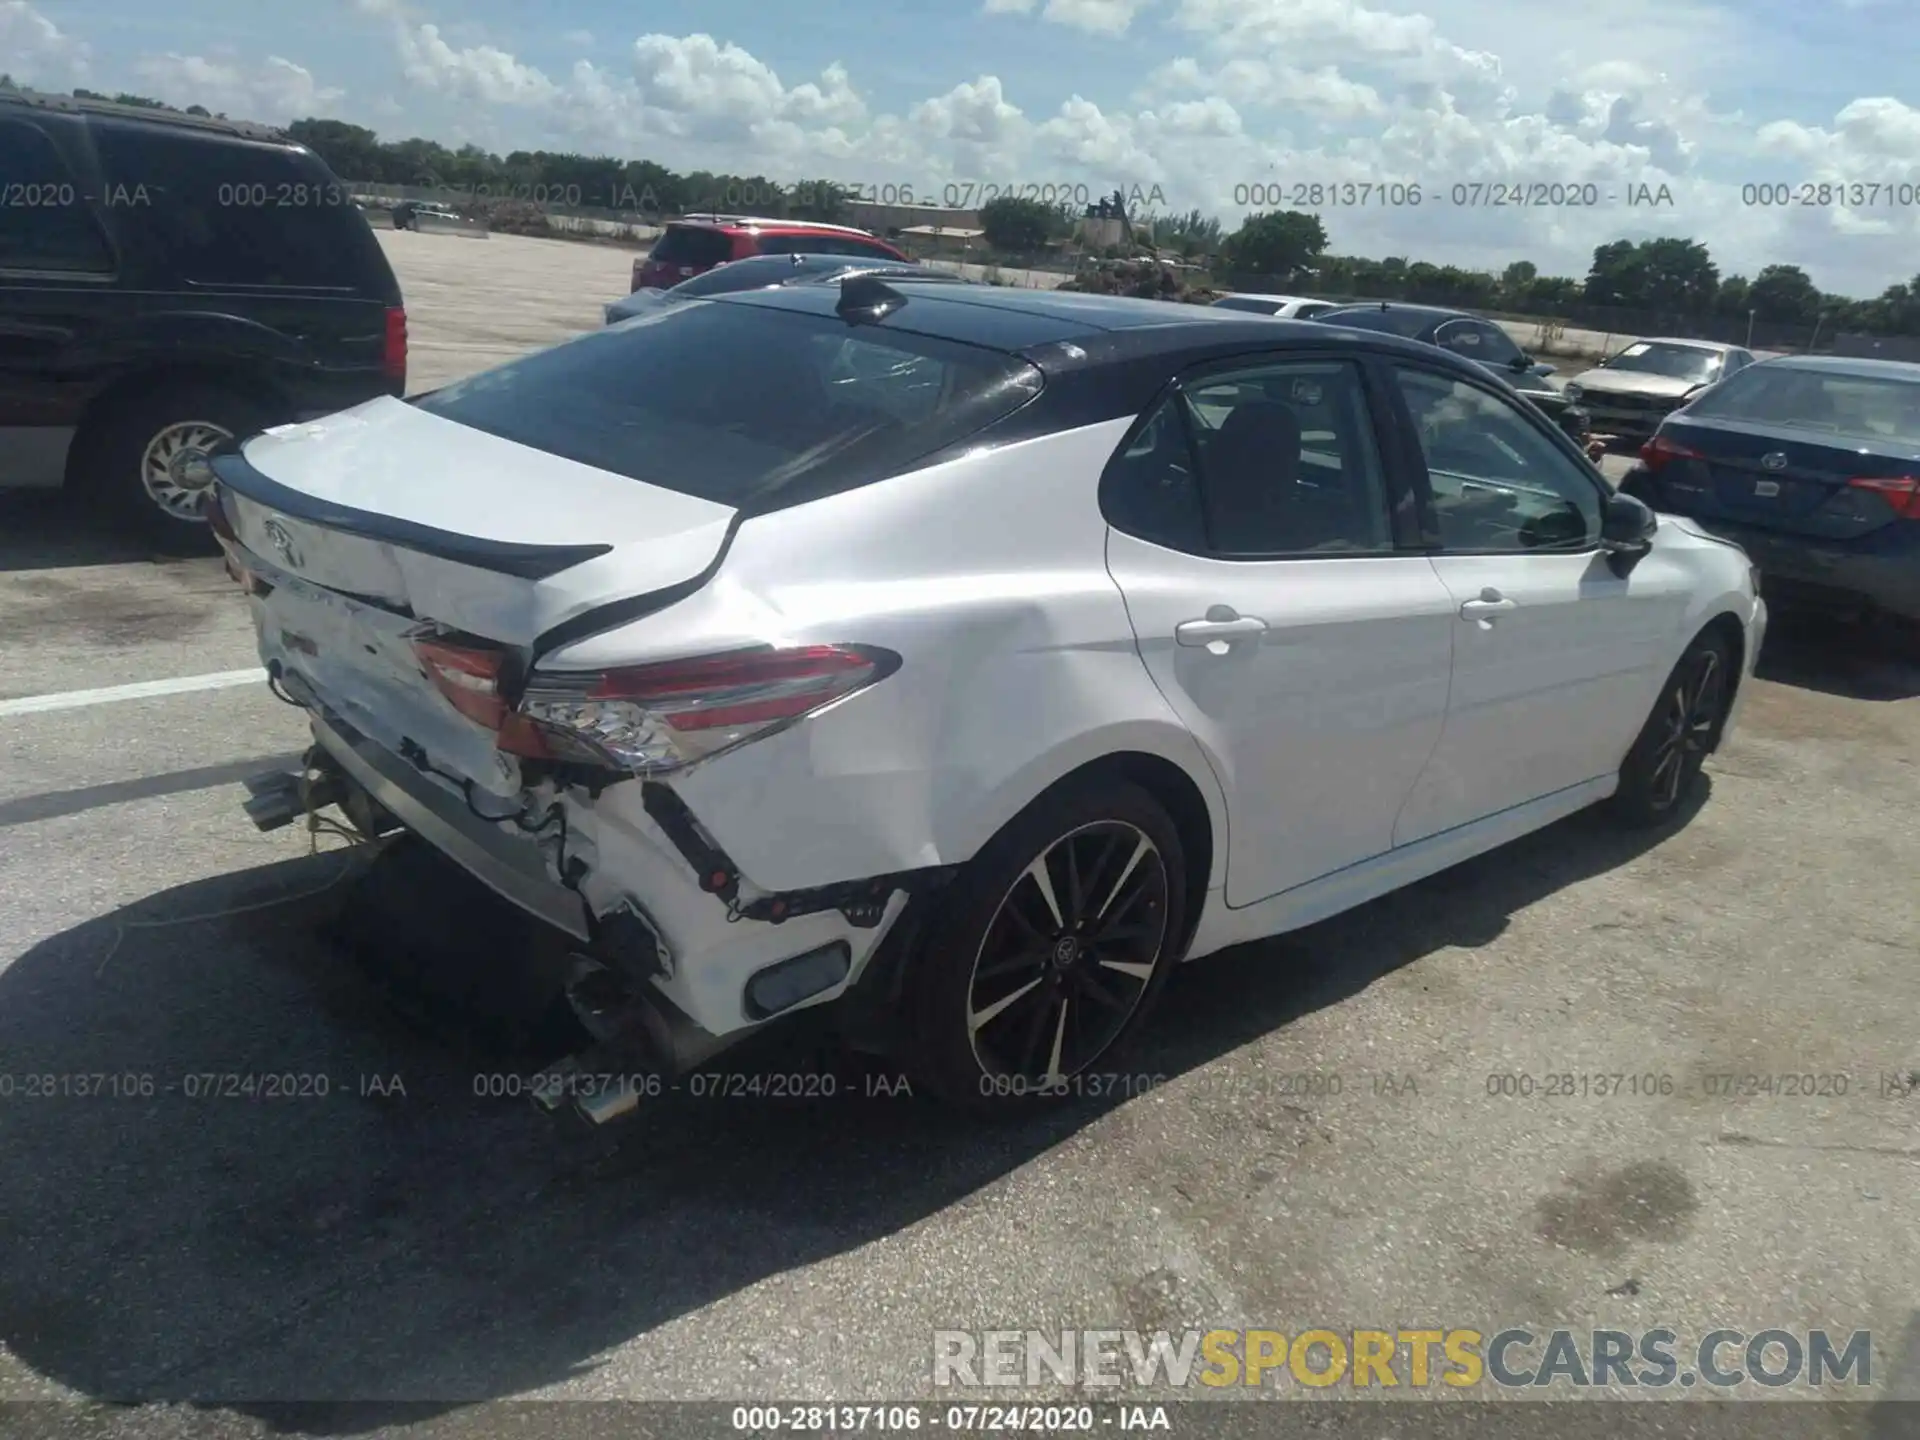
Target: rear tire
[
  {"x": 142, "y": 461},
  {"x": 1049, "y": 950},
  {"x": 1662, "y": 770}
]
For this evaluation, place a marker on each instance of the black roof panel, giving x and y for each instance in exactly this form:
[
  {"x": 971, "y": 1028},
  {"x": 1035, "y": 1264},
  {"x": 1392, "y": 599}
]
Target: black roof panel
[
  {"x": 1072, "y": 332},
  {"x": 111, "y": 110}
]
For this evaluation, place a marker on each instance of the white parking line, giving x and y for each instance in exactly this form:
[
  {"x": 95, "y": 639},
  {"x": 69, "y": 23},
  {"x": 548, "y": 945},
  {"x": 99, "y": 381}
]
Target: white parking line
[{"x": 179, "y": 685}]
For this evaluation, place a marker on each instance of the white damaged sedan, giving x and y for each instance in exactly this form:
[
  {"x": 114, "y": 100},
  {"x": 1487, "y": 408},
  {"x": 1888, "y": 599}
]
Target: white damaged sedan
[{"x": 963, "y": 657}]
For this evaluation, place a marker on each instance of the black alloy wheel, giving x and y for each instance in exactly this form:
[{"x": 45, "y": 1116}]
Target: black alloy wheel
[
  {"x": 1069, "y": 955},
  {"x": 1665, "y": 762}
]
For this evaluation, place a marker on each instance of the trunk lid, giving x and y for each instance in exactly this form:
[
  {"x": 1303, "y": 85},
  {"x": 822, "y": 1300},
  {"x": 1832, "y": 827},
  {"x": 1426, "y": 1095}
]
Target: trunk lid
[
  {"x": 383, "y": 526},
  {"x": 1775, "y": 478},
  {"x": 424, "y": 515}
]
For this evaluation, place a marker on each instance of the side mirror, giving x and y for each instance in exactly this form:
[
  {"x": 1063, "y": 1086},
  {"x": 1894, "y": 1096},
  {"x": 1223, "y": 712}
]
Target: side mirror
[
  {"x": 1543, "y": 369},
  {"x": 1520, "y": 364},
  {"x": 1627, "y": 528}
]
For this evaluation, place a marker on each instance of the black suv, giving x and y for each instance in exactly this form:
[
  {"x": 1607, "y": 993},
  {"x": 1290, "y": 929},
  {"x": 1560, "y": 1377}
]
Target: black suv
[
  {"x": 1475, "y": 337},
  {"x": 168, "y": 285}
]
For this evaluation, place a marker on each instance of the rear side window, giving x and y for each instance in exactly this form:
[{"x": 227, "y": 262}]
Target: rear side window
[
  {"x": 213, "y": 211},
  {"x": 45, "y": 221},
  {"x": 747, "y": 405},
  {"x": 692, "y": 245},
  {"x": 1866, "y": 407}
]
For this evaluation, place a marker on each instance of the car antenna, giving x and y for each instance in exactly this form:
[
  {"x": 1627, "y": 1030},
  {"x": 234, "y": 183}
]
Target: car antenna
[{"x": 866, "y": 298}]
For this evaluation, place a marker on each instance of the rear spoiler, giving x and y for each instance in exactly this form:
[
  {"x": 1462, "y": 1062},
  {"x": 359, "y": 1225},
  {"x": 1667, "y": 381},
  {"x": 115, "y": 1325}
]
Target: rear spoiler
[{"x": 504, "y": 557}]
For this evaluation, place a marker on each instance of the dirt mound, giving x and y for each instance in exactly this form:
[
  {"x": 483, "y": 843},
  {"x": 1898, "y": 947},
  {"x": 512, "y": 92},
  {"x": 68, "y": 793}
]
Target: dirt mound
[{"x": 1142, "y": 279}]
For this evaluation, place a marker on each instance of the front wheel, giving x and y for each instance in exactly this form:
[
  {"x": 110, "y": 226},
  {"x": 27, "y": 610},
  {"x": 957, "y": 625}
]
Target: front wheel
[
  {"x": 1662, "y": 770},
  {"x": 1050, "y": 949}
]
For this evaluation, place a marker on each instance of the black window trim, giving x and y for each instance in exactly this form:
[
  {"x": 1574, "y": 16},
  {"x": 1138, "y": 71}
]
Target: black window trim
[
  {"x": 1404, "y": 538},
  {"x": 1417, "y": 461}
]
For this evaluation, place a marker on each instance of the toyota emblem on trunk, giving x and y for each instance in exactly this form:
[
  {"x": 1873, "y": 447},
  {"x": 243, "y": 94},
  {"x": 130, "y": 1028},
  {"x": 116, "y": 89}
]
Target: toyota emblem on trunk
[
  {"x": 1775, "y": 460},
  {"x": 281, "y": 541}
]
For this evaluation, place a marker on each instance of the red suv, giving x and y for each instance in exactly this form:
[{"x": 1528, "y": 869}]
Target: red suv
[{"x": 700, "y": 242}]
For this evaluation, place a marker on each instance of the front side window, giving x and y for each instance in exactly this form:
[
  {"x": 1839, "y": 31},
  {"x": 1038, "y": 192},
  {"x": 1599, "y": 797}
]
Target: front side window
[
  {"x": 45, "y": 221},
  {"x": 1288, "y": 464},
  {"x": 1498, "y": 483}
]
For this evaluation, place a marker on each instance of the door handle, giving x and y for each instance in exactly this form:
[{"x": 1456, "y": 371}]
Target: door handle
[
  {"x": 1490, "y": 604},
  {"x": 1211, "y": 631}
]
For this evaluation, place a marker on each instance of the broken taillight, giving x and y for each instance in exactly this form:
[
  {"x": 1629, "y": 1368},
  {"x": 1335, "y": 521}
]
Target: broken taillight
[{"x": 648, "y": 719}]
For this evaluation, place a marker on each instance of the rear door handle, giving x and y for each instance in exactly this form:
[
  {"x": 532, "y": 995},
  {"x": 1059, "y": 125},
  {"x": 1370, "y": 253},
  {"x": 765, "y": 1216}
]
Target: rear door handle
[
  {"x": 1208, "y": 632},
  {"x": 1490, "y": 604}
]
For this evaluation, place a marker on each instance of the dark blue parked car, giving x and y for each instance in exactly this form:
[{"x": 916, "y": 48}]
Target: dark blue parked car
[{"x": 1811, "y": 464}]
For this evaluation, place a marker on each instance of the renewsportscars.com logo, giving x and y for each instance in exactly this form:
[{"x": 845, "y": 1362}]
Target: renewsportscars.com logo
[{"x": 1414, "y": 1359}]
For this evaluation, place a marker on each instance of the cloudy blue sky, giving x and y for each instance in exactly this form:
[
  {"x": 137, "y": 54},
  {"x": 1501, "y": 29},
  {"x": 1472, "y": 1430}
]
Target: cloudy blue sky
[{"x": 1197, "y": 99}]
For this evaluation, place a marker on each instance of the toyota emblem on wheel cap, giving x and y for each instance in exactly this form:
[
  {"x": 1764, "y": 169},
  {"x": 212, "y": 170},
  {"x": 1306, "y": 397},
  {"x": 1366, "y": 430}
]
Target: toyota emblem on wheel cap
[
  {"x": 1774, "y": 460},
  {"x": 281, "y": 541}
]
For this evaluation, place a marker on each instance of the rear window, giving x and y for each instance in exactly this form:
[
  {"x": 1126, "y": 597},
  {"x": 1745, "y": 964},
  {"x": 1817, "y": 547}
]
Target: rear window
[
  {"x": 1865, "y": 406},
  {"x": 692, "y": 245},
  {"x": 1258, "y": 307},
  {"x": 743, "y": 404},
  {"x": 210, "y": 210},
  {"x": 1408, "y": 323}
]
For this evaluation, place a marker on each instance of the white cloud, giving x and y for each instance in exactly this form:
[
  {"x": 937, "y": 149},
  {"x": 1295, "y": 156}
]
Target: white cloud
[
  {"x": 1096, "y": 17},
  {"x": 1272, "y": 93},
  {"x": 480, "y": 72},
  {"x": 277, "y": 91},
  {"x": 35, "y": 51}
]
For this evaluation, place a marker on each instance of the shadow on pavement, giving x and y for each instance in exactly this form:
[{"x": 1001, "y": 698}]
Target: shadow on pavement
[
  {"x": 52, "y": 530},
  {"x": 401, "y": 1238},
  {"x": 1851, "y": 659}
]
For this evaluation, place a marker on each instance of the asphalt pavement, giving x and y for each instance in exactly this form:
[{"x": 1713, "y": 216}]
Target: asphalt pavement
[{"x": 1333, "y": 1144}]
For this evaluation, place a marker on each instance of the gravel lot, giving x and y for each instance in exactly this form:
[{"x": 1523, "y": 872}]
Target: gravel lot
[{"x": 435, "y": 1245}]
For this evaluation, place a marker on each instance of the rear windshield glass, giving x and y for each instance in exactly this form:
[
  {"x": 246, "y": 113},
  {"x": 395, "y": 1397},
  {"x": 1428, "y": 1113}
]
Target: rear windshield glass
[
  {"x": 1409, "y": 323},
  {"x": 1258, "y": 307},
  {"x": 1866, "y": 406},
  {"x": 691, "y": 245},
  {"x": 214, "y": 211},
  {"x": 749, "y": 274},
  {"x": 1675, "y": 362},
  {"x": 744, "y": 404}
]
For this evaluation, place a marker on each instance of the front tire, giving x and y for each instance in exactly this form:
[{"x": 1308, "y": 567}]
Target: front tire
[
  {"x": 1662, "y": 770},
  {"x": 1050, "y": 949}
]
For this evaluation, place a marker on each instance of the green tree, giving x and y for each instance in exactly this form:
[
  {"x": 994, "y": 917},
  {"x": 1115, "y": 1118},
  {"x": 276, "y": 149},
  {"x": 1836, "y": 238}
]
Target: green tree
[
  {"x": 1281, "y": 243},
  {"x": 1784, "y": 294},
  {"x": 1017, "y": 225},
  {"x": 820, "y": 200},
  {"x": 1614, "y": 277},
  {"x": 1677, "y": 275},
  {"x": 1734, "y": 297},
  {"x": 351, "y": 152}
]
